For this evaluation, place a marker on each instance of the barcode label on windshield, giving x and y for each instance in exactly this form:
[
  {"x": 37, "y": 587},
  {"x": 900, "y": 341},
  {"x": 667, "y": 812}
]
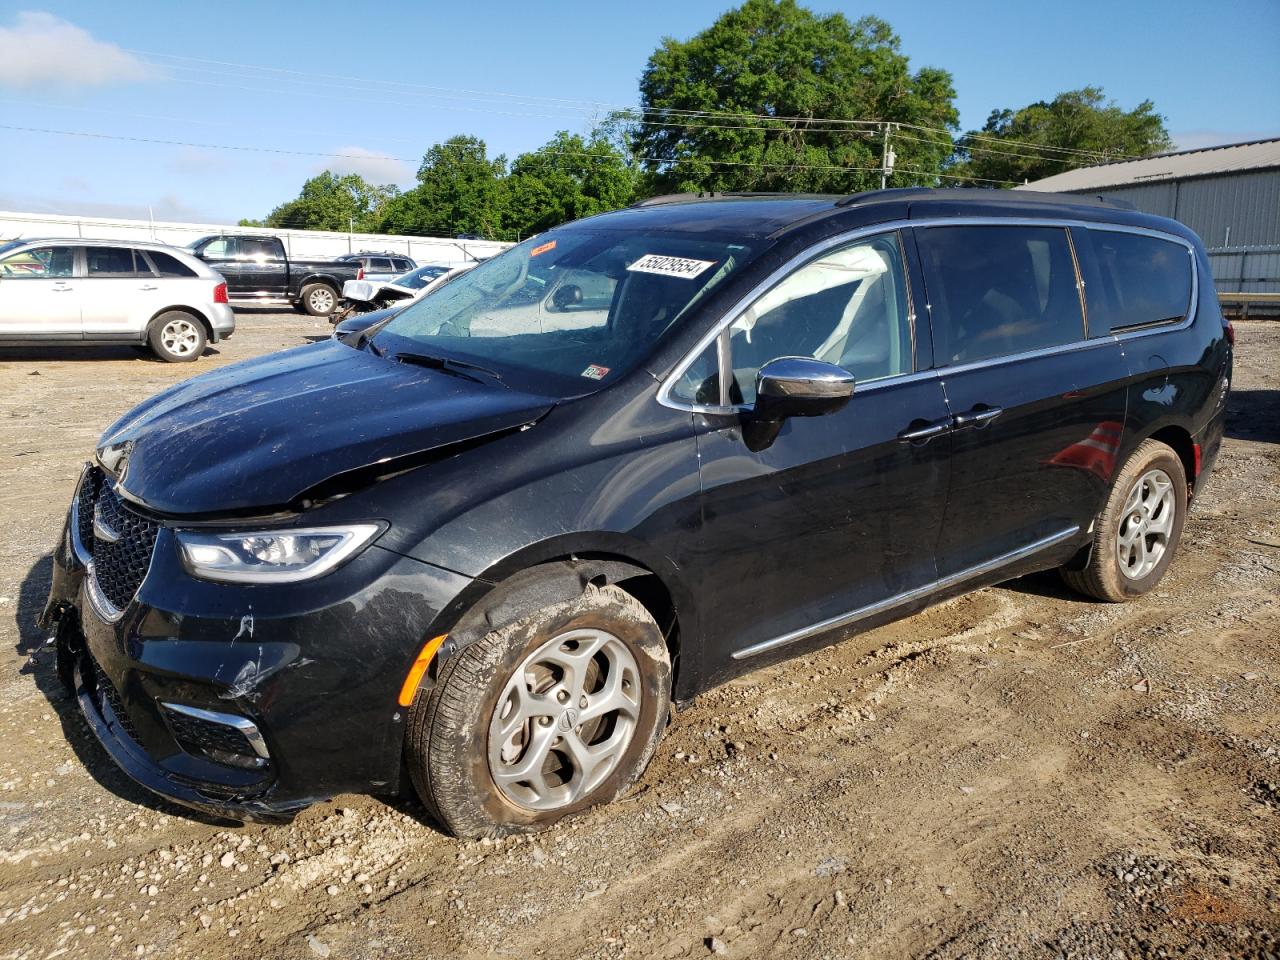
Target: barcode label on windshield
[{"x": 670, "y": 266}]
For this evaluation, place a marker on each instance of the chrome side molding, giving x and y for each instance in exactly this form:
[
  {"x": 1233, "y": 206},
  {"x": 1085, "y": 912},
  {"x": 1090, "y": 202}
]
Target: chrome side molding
[{"x": 907, "y": 596}]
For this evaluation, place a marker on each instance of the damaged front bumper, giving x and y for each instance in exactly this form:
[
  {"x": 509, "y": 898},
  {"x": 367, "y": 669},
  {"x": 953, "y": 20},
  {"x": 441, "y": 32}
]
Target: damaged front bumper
[{"x": 248, "y": 701}]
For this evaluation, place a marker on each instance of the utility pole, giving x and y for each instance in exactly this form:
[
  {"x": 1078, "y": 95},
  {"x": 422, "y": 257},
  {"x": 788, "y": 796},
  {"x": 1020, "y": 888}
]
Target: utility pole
[{"x": 886, "y": 158}]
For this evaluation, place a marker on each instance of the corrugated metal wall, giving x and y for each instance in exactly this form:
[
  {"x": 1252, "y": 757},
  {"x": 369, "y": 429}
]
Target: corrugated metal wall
[
  {"x": 1237, "y": 215},
  {"x": 1245, "y": 204}
]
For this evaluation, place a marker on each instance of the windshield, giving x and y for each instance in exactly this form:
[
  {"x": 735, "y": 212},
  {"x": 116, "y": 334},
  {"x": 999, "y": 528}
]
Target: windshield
[
  {"x": 417, "y": 279},
  {"x": 576, "y": 304}
]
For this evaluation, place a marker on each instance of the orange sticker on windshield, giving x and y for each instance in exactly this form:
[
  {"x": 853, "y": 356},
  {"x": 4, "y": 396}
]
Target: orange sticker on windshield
[{"x": 542, "y": 248}]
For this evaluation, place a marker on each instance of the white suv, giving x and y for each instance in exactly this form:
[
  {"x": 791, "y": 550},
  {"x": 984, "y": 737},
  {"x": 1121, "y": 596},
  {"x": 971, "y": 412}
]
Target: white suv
[{"x": 111, "y": 291}]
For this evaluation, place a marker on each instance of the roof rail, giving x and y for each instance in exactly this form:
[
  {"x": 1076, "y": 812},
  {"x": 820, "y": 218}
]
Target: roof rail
[
  {"x": 709, "y": 195},
  {"x": 891, "y": 193}
]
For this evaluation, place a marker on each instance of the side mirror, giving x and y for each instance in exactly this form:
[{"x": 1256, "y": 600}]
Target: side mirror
[
  {"x": 800, "y": 387},
  {"x": 570, "y": 295}
]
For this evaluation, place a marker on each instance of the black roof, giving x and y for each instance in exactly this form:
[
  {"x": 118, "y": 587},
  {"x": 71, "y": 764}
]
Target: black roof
[{"x": 772, "y": 215}]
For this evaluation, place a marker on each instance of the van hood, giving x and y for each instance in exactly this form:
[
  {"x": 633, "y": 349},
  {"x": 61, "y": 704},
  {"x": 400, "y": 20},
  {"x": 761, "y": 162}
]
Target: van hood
[{"x": 255, "y": 436}]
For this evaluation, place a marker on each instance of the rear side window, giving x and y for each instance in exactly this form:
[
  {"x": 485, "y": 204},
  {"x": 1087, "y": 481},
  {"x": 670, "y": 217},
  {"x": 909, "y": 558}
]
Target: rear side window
[
  {"x": 381, "y": 265},
  {"x": 997, "y": 291},
  {"x": 252, "y": 249},
  {"x": 170, "y": 266},
  {"x": 110, "y": 262},
  {"x": 1145, "y": 280}
]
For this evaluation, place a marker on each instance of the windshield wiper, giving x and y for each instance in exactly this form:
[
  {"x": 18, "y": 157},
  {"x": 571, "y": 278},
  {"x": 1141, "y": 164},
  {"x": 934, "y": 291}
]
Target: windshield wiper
[{"x": 458, "y": 368}]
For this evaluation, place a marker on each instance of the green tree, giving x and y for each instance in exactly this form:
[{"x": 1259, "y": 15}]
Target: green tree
[
  {"x": 776, "y": 60},
  {"x": 1075, "y": 128},
  {"x": 567, "y": 178},
  {"x": 332, "y": 202},
  {"x": 459, "y": 191}
]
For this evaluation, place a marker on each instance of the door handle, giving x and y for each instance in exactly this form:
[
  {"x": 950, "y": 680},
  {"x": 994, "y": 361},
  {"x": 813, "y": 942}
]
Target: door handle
[
  {"x": 977, "y": 417},
  {"x": 62, "y": 289},
  {"x": 148, "y": 286},
  {"x": 926, "y": 432}
]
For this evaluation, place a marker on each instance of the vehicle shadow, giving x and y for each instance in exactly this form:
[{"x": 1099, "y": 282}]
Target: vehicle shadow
[
  {"x": 95, "y": 353},
  {"x": 1044, "y": 583},
  {"x": 41, "y": 666},
  {"x": 1254, "y": 415}
]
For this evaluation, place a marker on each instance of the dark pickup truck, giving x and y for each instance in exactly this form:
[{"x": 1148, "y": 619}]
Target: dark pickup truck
[{"x": 258, "y": 271}]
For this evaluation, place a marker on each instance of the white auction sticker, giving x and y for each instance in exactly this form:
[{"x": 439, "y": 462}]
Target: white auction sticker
[{"x": 670, "y": 266}]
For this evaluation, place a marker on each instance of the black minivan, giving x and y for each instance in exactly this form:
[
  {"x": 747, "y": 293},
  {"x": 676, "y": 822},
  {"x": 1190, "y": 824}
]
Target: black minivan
[{"x": 488, "y": 541}]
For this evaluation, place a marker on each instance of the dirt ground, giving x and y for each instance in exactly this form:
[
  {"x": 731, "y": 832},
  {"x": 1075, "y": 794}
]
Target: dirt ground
[{"x": 1018, "y": 772}]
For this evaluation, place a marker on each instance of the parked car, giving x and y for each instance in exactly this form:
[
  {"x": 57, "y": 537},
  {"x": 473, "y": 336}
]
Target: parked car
[
  {"x": 259, "y": 272},
  {"x": 491, "y": 540},
  {"x": 111, "y": 291},
  {"x": 361, "y": 296},
  {"x": 381, "y": 267}
]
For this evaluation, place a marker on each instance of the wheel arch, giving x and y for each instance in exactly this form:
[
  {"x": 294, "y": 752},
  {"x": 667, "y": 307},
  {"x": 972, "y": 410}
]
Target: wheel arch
[
  {"x": 1179, "y": 438},
  {"x": 517, "y": 589},
  {"x": 189, "y": 310}
]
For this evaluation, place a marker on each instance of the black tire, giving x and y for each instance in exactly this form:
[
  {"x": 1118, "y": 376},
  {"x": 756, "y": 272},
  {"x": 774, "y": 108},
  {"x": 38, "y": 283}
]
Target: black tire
[
  {"x": 448, "y": 731},
  {"x": 1103, "y": 576},
  {"x": 177, "y": 337},
  {"x": 318, "y": 299}
]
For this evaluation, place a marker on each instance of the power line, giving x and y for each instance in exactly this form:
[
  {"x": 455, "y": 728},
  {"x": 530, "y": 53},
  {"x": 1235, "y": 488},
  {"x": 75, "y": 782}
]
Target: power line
[
  {"x": 377, "y": 85},
  {"x": 359, "y": 156}
]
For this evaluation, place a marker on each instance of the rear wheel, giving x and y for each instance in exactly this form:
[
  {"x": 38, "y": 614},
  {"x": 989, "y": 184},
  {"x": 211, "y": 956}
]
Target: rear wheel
[
  {"x": 318, "y": 299},
  {"x": 177, "y": 337},
  {"x": 544, "y": 718},
  {"x": 1137, "y": 532}
]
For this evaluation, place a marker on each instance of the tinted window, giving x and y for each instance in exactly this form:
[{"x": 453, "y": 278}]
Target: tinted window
[
  {"x": 251, "y": 249},
  {"x": 1145, "y": 280},
  {"x": 109, "y": 262},
  {"x": 996, "y": 291},
  {"x": 403, "y": 265},
  {"x": 381, "y": 265},
  {"x": 43, "y": 263},
  {"x": 848, "y": 307},
  {"x": 170, "y": 266}
]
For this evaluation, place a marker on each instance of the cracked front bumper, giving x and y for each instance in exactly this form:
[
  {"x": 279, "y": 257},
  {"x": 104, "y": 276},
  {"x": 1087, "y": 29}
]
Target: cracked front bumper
[{"x": 306, "y": 675}]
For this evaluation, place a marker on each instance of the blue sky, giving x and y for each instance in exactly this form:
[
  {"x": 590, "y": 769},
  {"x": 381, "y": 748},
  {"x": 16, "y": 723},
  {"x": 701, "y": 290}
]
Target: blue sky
[{"x": 98, "y": 68}]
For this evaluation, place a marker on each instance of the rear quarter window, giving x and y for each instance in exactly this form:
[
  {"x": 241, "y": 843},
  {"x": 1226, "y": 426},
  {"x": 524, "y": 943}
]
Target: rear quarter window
[
  {"x": 170, "y": 266},
  {"x": 1145, "y": 280}
]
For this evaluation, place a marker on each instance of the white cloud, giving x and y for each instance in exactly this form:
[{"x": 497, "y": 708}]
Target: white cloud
[
  {"x": 42, "y": 50},
  {"x": 1199, "y": 139},
  {"x": 375, "y": 167}
]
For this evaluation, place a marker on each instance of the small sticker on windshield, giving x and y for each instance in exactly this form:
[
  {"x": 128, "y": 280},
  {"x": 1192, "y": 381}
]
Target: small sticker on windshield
[
  {"x": 596, "y": 372},
  {"x": 670, "y": 266},
  {"x": 542, "y": 248}
]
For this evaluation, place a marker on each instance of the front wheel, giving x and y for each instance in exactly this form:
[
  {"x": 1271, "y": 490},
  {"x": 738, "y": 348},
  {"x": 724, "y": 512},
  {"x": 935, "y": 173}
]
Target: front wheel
[
  {"x": 553, "y": 714},
  {"x": 318, "y": 299},
  {"x": 177, "y": 337},
  {"x": 1137, "y": 532}
]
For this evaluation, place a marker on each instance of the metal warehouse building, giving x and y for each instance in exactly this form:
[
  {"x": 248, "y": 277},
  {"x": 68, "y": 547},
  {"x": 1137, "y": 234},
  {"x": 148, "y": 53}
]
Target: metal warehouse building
[{"x": 1229, "y": 195}]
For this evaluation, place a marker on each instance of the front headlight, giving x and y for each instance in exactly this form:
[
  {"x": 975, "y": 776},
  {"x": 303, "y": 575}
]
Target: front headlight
[{"x": 271, "y": 556}]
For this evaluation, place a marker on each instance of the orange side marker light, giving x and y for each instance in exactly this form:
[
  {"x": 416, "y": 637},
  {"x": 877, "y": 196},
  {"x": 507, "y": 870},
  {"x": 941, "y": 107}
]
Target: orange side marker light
[{"x": 419, "y": 668}]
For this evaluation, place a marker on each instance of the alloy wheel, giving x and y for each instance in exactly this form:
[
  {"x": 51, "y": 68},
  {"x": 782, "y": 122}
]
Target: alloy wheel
[
  {"x": 180, "y": 337},
  {"x": 564, "y": 719},
  {"x": 321, "y": 300},
  {"x": 1146, "y": 524}
]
